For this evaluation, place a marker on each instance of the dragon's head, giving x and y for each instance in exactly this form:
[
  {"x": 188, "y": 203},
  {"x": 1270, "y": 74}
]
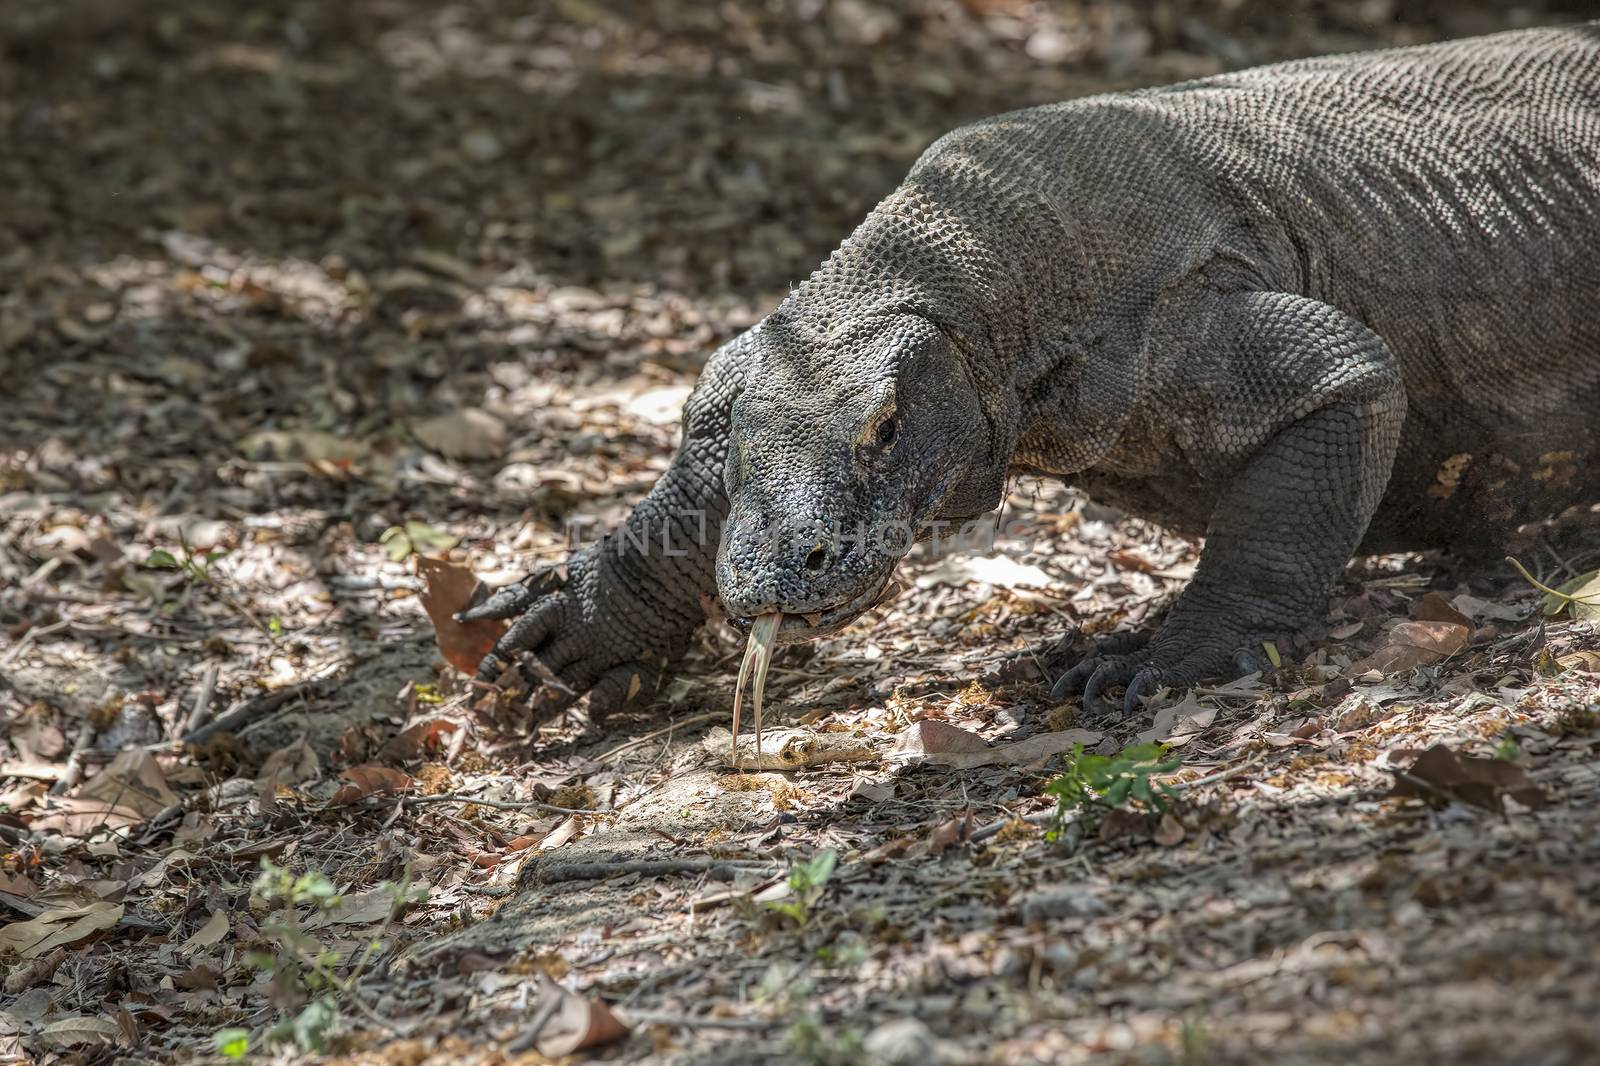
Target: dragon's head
[{"x": 848, "y": 438}]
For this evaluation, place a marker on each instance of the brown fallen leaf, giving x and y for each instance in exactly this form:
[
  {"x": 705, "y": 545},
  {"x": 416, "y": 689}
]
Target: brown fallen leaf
[
  {"x": 944, "y": 836},
  {"x": 214, "y": 930},
  {"x": 1020, "y": 753},
  {"x": 1412, "y": 644},
  {"x": 288, "y": 766},
  {"x": 79, "y": 1030},
  {"x": 70, "y": 914},
  {"x": 933, "y": 737},
  {"x": 364, "y": 781},
  {"x": 1169, "y": 832},
  {"x": 37, "y": 972},
  {"x": 1586, "y": 662},
  {"x": 1180, "y": 723},
  {"x": 565, "y": 1022},
  {"x": 1439, "y": 775},
  {"x": 423, "y": 738},
  {"x": 562, "y": 833},
  {"x": 448, "y": 588},
  {"x": 1435, "y": 608},
  {"x": 133, "y": 781}
]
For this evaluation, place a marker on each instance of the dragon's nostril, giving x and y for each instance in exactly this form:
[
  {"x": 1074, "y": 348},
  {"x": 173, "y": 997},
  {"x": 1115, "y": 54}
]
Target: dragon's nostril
[{"x": 817, "y": 558}]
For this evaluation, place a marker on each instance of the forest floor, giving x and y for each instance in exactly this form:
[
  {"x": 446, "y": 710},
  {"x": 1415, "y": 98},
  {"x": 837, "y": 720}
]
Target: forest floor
[{"x": 293, "y": 296}]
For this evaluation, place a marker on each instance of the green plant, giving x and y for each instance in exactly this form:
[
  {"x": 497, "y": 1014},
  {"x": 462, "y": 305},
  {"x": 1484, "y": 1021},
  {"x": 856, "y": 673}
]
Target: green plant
[
  {"x": 1093, "y": 784},
  {"x": 197, "y": 567},
  {"x": 232, "y": 1043},
  {"x": 303, "y": 970},
  {"x": 807, "y": 880}
]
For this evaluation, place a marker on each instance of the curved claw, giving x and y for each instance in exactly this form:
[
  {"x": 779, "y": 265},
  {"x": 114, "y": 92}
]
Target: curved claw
[
  {"x": 1110, "y": 673},
  {"x": 523, "y": 635},
  {"x": 508, "y": 601},
  {"x": 620, "y": 686},
  {"x": 1072, "y": 682},
  {"x": 1144, "y": 683}
]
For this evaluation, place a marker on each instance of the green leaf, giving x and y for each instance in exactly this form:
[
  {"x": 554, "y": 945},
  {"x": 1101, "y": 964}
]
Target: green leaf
[
  {"x": 1272, "y": 654},
  {"x": 161, "y": 560},
  {"x": 425, "y": 536},
  {"x": 309, "y": 1028},
  {"x": 395, "y": 543},
  {"x": 233, "y": 1043},
  {"x": 1117, "y": 794},
  {"x": 814, "y": 872}
]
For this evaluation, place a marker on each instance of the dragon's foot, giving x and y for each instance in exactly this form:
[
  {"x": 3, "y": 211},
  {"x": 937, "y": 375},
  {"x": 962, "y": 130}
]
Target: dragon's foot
[
  {"x": 1167, "y": 661},
  {"x": 576, "y": 636}
]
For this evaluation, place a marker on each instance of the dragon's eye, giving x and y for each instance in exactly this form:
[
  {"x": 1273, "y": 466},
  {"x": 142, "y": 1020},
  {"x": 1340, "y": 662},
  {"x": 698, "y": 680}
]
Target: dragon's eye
[{"x": 886, "y": 432}]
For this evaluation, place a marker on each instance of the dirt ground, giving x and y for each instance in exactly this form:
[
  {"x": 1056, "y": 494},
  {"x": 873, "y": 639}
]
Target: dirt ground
[{"x": 292, "y": 293}]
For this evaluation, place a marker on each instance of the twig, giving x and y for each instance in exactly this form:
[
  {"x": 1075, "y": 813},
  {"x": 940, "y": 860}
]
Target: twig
[
  {"x": 248, "y": 710},
  {"x": 635, "y": 1018},
  {"x": 1037, "y": 818},
  {"x": 29, "y": 637},
  {"x": 499, "y": 805},
  {"x": 202, "y": 700},
  {"x": 74, "y": 772},
  {"x": 1221, "y": 775},
  {"x": 530, "y": 1035},
  {"x": 710, "y": 716},
  {"x": 716, "y": 869}
]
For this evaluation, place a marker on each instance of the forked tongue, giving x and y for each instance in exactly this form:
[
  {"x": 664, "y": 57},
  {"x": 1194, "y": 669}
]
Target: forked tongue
[{"x": 757, "y": 652}]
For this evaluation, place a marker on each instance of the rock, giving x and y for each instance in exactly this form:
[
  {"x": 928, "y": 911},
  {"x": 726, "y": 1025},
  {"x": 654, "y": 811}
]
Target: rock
[
  {"x": 469, "y": 433},
  {"x": 902, "y": 1042},
  {"x": 1063, "y": 903}
]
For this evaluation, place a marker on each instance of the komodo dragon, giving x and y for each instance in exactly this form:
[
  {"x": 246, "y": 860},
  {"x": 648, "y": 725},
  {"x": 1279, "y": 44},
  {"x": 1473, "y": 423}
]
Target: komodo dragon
[{"x": 1327, "y": 306}]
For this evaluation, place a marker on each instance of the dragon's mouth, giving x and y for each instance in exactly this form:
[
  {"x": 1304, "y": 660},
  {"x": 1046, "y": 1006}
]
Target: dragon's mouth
[{"x": 799, "y": 628}]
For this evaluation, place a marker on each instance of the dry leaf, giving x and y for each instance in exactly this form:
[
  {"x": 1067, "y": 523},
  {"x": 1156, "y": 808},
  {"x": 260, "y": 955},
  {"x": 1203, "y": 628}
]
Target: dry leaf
[
  {"x": 363, "y": 908},
  {"x": 214, "y": 930},
  {"x": 562, "y": 833},
  {"x": 69, "y": 916},
  {"x": 288, "y": 766},
  {"x": 1413, "y": 644},
  {"x": 1439, "y": 775},
  {"x": 134, "y": 781},
  {"x": 423, "y": 738},
  {"x": 999, "y": 571},
  {"x": 367, "y": 781},
  {"x": 1021, "y": 753},
  {"x": 78, "y": 1030},
  {"x": 1169, "y": 832},
  {"x": 1435, "y": 608},
  {"x": 573, "y": 1022},
  {"x": 933, "y": 737},
  {"x": 1587, "y": 662},
  {"x": 450, "y": 588},
  {"x": 1180, "y": 723}
]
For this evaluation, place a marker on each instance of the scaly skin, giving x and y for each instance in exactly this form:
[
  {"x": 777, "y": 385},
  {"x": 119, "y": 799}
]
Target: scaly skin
[{"x": 1332, "y": 305}]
